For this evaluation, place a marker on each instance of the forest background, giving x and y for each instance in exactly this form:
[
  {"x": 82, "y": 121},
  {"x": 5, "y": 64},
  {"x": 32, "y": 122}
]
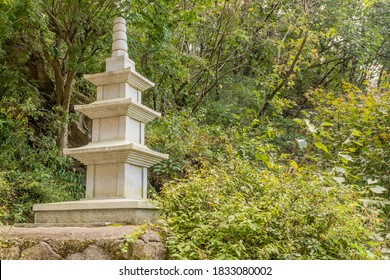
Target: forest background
[{"x": 275, "y": 116}]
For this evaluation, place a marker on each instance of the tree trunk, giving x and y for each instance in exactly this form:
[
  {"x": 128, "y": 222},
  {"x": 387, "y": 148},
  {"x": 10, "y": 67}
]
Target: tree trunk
[
  {"x": 378, "y": 85},
  {"x": 285, "y": 78},
  {"x": 63, "y": 101},
  {"x": 62, "y": 136}
]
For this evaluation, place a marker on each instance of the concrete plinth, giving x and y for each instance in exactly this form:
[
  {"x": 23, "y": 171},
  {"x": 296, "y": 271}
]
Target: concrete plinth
[{"x": 123, "y": 211}]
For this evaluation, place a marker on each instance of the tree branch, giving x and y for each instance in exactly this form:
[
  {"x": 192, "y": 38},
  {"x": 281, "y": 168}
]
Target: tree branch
[{"x": 286, "y": 76}]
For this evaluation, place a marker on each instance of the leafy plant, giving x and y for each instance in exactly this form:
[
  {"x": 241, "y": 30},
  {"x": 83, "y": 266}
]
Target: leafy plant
[
  {"x": 234, "y": 210},
  {"x": 348, "y": 134}
]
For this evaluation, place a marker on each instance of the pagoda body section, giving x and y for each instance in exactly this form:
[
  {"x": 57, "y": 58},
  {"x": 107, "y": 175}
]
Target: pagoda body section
[{"x": 116, "y": 158}]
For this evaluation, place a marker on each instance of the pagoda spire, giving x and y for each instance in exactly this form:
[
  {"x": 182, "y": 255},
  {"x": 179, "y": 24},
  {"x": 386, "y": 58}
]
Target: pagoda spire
[
  {"x": 119, "y": 59},
  {"x": 119, "y": 38}
]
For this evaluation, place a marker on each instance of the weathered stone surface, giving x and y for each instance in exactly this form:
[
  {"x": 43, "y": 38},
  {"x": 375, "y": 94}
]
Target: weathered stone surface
[
  {"x": 76, "y": 256},
  {"x": 121, "y": 211},
  {"x": 113, "y": 248},
  {"x": 147, "y": 247},
  {"x": 78, "y": 243},
  {"x": 66, "y": 232},
  {"x": 147, "y": 251},
  {"x": 92, "y": 252},
  {"x": 41, "y": 251},
  {"x": 11, "y": 253},
  {"x": 150, "y": 236}
]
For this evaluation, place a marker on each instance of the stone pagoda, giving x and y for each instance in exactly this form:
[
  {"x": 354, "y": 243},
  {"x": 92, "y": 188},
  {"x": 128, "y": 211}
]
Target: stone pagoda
[{"x": 117, "y": 158}]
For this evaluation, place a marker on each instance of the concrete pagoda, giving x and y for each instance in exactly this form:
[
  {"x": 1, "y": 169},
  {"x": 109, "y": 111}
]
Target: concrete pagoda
[{"x": 117, "y": 158}]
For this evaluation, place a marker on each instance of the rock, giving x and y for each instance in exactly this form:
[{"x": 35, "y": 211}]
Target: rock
[
  {"x": 11, "y": 253},
  {"x": 76, "y": 256},
  {"x": 150, "y": 236},
  {"x": 79, "y": 243},
  {"x": 41, "y": 251},
  {"x": 92, "y": 252},
  {"x": 147, "y": 251}
]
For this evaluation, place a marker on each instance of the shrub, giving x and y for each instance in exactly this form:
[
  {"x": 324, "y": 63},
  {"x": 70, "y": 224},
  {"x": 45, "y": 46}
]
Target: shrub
[
  {"x": 236, "y": 211},
  {"x": 349, "y": 133},
  {"x": 193, "y": 144},
  {"x": 32, "y": 169}
]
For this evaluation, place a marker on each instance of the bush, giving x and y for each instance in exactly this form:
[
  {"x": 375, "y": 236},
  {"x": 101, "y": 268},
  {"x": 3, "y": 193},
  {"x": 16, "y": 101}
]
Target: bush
[
  {"x": 354, "y": 127},
  {"x": 236, "y": 211},
  {"x": 192, "y": 144},
  {"x": 32, "y": 169},
  {"x": 349, "y": 132},
  {"x": 36, "y": 181}
]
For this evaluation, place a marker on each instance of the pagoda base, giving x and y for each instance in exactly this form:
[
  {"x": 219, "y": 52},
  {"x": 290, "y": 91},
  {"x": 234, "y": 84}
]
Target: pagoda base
[{"x": 121, "y": 211}]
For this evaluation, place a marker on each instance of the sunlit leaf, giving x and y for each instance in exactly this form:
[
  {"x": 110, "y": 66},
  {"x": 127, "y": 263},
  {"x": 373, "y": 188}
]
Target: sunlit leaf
[
  {"x": 313, "y": 158},
  {"x": 310, "y": 126},
  {"x": 326, "y": 124},
  {"x": 356, "y": 133},
  {"x": 340, "y": 170},
  {"x": 378, "y": 189},
  {"x": 301, "y": 143},
  {"x": 339, "y": 180},
  {"x": 321, "y": 146},
  {"x": 293, "y": 164},
  {"x": 371, "y": 182},
  {"x": 357, "y": 143},
  {"x": 346, "y": 157}
]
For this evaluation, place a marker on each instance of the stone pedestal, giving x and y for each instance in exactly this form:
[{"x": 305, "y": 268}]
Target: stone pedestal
[
  {"x": 117, "y": 158},
  {"x": 101, "y": 211}
]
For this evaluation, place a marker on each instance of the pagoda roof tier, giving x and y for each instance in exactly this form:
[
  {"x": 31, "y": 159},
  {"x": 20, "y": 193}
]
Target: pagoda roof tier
[
  {"x": 126, "y": 75},
  {"x": 118, "y": 107},
  {"x": 118, "y": 151}
]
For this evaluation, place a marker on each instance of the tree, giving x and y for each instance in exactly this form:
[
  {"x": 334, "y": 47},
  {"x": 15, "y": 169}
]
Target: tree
[{"x": 73, "y": 35}]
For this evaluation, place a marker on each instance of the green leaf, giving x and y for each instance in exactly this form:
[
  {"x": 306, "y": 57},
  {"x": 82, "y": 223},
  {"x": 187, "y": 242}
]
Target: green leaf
[
  {"x": 326, "y": 134},
  {"x": 356, "y": 133},
  {"x": 378, "y": 189},
  {"x": 357, "y": 143},
  {"x": 301, "y": 143},
  {"x": 310, "y": 126},
  {"x": 293, "y": 164},
  {"x": 346, "y": 157},
  {"x": 340, "y": 170},
  {"x": 312, "y": 158},
  {"x": 371, "y": 182},
  {"x": 298, "y": 121},
  {"x": 326, "y": 124},
  {"x": 262, "y": 157},
  {"x": 321, "y": 146},
  {"x": 339, "y": 180}
]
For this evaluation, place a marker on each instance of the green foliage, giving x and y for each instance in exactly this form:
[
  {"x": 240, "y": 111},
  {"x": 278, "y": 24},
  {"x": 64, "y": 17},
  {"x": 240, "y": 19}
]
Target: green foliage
[
  {"x": 236, "y": 211},
  {"x": 353, "y": 127},
  {"x": 133, "y": 237},
  {"x": 193, "y": 144},
  {"x": 32, "y": 171},
  {"x": 277, "y": 192},
  {"x": 349, "y": 135}
]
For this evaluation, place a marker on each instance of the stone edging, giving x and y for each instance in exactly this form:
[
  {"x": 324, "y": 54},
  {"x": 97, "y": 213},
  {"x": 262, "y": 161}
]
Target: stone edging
[{"x": 78, "y": 243}]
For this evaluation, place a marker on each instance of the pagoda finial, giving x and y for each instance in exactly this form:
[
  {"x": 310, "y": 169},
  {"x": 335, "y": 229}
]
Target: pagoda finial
[{"x": 119, "y": 38}]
